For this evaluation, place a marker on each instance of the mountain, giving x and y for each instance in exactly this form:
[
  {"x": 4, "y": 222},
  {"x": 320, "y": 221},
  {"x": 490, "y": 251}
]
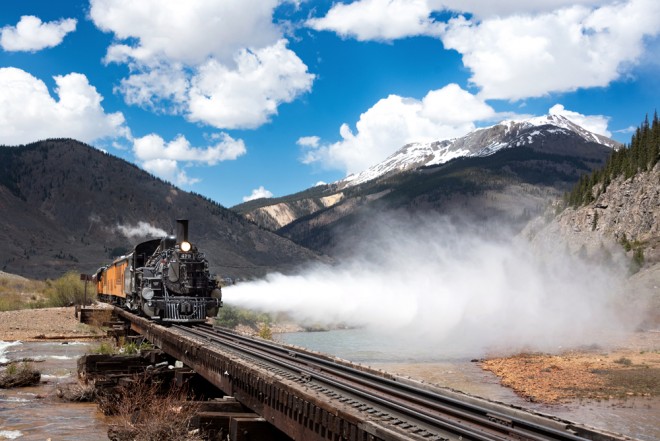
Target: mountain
[
  {"x": 67, "y": 206},
  {"x": 481, "y": 142},
  {"x": 507, "y": 171},
  {"x": 618, "y": 204}
]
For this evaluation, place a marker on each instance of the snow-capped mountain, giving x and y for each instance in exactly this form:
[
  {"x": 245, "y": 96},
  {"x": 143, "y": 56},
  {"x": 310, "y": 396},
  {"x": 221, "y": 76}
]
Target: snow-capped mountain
[{"x": 481, "y": 142}]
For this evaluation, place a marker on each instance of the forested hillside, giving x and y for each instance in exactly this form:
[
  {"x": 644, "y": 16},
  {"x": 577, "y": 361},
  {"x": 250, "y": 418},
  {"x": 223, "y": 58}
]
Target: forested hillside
[
  {"x": 66, "y": 206},
  {"x": 640, "y": 155}
]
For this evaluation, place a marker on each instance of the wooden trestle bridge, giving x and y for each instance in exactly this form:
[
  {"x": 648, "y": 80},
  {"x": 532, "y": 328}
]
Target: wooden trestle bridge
[{"x": 310, "y": 396}]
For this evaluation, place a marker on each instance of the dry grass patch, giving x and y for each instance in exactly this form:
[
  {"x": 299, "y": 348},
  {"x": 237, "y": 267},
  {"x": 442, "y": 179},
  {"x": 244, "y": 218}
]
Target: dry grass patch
[
  {"x": 145, "y": 412},
  {"x": 20, "y": 293},
  {"x": 19, "y": 375}
]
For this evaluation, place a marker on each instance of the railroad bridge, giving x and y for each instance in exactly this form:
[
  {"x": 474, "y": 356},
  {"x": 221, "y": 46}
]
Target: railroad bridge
[{"x": 309, "y": 396}]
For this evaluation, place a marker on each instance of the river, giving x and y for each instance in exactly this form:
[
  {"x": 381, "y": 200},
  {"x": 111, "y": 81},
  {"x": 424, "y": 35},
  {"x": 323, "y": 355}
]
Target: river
[
  {"x": 637, "y": 417},
  {"x": 35, "y": 413}
]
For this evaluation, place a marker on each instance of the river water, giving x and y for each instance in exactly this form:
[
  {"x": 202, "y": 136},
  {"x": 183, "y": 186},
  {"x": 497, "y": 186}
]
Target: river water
[
  {"x": 637, "y": 417},
  {"x": 35, "y": 413}
]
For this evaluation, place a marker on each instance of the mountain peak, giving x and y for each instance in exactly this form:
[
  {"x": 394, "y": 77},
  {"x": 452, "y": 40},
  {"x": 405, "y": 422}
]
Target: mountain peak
[
  {"x": 565, "y": 123},
  {"x": 480, "y": 142}
]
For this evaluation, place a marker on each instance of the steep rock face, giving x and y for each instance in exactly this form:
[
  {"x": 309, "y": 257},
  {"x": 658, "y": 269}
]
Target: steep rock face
[
  {"x": 627, "y": 213},
  {"x": 628, "y": 210},
  {"x": 276, "y": 216},
  {"x": 629, "y": 207}
]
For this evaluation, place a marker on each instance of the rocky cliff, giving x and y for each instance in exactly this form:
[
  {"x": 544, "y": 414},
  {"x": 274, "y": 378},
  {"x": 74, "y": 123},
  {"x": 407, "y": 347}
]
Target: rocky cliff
[
  {"x": 275, "y": 216},
  {"x": 628, "y": 213},
  {"x": 622, "y": 224}
]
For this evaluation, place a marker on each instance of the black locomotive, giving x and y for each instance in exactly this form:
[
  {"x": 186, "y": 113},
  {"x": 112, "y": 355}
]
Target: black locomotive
[{"x": 165, "y": 279}]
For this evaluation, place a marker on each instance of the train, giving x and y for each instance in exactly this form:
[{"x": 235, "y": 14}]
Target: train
[{"x": 166, "y": 280}]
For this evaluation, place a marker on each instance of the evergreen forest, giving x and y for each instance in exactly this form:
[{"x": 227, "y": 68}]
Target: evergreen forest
[{"x": 639, "y": 156}]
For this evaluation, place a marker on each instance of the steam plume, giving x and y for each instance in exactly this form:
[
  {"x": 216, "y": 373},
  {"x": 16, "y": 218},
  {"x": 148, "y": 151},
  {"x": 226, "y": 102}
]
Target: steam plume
[{"x": 451, "y": 291}]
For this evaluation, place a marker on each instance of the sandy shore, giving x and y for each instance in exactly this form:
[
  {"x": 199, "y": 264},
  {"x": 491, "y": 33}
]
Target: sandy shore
[{"x": 629, "y": 369}]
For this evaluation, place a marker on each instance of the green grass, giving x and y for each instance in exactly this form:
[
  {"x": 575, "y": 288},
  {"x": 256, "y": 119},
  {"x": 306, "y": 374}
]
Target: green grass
[
  {"x": 68, "y": 290},
  {"x": 231, "y": 316},
  {"x": 104, "y": 348}
]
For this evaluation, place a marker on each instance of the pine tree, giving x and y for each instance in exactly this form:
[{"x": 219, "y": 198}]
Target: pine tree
[{"x": 640, "y": 155}]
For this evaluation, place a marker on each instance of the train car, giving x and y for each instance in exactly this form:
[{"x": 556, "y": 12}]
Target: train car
[{"x": 164, "y": 279}]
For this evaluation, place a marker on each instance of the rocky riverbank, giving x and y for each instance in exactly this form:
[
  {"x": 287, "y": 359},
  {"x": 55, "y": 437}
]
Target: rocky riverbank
[{"x": 44, "y": 324}]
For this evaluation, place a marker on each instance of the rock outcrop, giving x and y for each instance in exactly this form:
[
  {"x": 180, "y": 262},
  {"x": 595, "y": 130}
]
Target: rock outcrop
[
  {"x": 622, "y": 223},
  {"x": 628, "y": 212},
  {"x": 275, "y": 216}
]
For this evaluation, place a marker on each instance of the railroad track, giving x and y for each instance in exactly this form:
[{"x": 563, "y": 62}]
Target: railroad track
[{"x": 403, "y": 408}]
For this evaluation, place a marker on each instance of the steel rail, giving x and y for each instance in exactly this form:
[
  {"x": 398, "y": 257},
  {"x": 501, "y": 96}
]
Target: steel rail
[
  {"x": 431, "y": 420},
  {"x": 420, "y": 396},
  {"x": 424, "y": 397},
  {"x": 460, "y": 418}
]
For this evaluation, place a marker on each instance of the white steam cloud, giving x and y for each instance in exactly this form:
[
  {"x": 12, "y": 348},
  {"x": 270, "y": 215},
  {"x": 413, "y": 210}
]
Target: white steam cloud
[
  {"x": 142, "y": 229},
  {"x": 451, "y": 293}
]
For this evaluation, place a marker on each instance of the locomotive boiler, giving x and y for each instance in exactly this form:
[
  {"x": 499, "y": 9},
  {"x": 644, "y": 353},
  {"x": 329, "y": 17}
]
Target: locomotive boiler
[{"x": 164, "y": 279}]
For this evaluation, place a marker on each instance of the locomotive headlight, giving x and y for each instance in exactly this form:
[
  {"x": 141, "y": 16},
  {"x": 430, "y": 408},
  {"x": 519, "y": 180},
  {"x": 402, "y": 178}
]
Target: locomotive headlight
[
  {"x": 185, "y": 246},
  {"x": 147, "y": 293}
]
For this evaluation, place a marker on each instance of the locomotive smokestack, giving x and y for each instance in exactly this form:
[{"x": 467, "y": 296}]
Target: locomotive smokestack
[{"x": 181, "y": 230}]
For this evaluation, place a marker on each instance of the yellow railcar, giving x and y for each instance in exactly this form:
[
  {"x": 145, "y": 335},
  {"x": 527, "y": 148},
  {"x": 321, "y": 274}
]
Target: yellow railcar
[{"x": 112, "y": 282}]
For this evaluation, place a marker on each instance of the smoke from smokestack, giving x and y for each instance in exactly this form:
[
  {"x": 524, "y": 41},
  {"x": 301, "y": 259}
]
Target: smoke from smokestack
[{"x": 142, "y": 229}]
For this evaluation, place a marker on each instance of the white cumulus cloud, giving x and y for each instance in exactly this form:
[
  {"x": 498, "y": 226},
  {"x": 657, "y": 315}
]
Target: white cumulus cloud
[
  {"x": 224, "y": 64},
  {"x": 379, "y": 19},
  {"x": 395, "y": 121},
  {"x": 163, "y": 88},
  {"x": 187, "y": 32},
  {"x": 163, "y": 158},
  {"x": 515, "y": 49},
  {"x": 502, "y": 8},
  {"x": 258, "y": 193},
  {"x": 246, "y": 96},
  {"x": 522, "y": 56},
  {"x": 387, "y": 20},
  {"x": 308, "y": 141},
  {"x": 30, "y": 34},
  {"x": 29, "y": 113}
]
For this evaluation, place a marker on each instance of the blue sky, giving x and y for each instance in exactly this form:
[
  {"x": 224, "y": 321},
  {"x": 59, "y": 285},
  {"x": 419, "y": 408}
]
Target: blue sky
[{"x": 239, "y": 98}]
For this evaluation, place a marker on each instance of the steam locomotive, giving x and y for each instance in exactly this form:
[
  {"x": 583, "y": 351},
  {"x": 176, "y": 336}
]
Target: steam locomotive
[{"x": 164, "y": 279}]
